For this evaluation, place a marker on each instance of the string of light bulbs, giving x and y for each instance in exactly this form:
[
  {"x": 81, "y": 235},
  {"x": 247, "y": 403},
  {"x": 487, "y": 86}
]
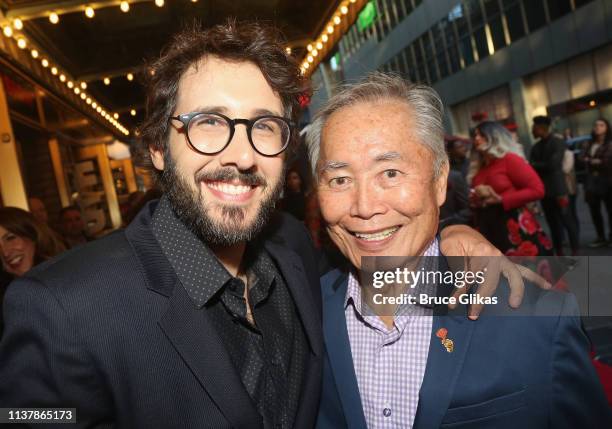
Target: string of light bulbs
[
  {"x": 316, "y": 48},
  {"x": 79, "y": 88}
]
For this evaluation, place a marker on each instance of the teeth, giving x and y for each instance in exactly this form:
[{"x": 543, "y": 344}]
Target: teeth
[
  {"x": 226, "y": 188},
  {"x": 15, "y": 260},
  {"x": 377, "y": 236}
]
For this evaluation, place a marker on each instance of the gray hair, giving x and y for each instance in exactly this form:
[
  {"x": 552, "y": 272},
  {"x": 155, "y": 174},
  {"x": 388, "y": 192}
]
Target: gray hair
[
  {"x": 423, "y": 101},
  {"x": 499, "y": 143}
]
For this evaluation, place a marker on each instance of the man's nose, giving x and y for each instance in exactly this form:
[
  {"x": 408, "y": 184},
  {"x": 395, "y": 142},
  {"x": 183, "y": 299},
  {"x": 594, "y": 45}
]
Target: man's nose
[
  {"x": 239, "y": 152},
  {"x": 368, "y": 201}
]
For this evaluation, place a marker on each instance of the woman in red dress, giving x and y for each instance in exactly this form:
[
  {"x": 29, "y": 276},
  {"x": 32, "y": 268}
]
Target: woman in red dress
[{"x": 503, "y": 183}]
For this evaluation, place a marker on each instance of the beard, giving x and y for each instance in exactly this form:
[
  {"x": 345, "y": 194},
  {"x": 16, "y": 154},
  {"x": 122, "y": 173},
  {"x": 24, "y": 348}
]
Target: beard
[{"x": 195, "y": 212}]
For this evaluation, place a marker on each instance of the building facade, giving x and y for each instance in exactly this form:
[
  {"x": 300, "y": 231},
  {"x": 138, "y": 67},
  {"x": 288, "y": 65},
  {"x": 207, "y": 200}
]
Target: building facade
[{"x": 505, "y": 60}]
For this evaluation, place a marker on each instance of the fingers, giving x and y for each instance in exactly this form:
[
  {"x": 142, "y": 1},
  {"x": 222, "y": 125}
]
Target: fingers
[
  {"x": 533, "y": 277},
  {"x": 515, "y": 283},
  {"x": 492, "y": 267}
]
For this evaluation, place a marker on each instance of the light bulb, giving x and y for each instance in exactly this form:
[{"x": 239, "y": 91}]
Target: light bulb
[
  {"x": 324, "y": 38},
  {"x": 319, "y": 46},
  {"x": 8, "y": 31},
  {"x": 89, "y": 12},
  {"x": 83, "y": 85},
  {"x": 21, "y": 43},
  {"x": 45, "y": 63},
  {"x": 130, "y": 77},
  {"x": 330, "y": 29},
  {"x": 70, "y": 84},
  {"x": 53, "y": 18},
  {"x": 18, "y": 24},
  {"x": 106, "y": 81},
  {"x": 343, "y": 10},
  {"x": 34, "y": 53},
  {"x": 337, "y": 20},
  {"x": 125, "y": 7},
  {"x": 159, "y": 3},
  {"x": 133, "y": 112},
  {"x": 116, "y": 116}
]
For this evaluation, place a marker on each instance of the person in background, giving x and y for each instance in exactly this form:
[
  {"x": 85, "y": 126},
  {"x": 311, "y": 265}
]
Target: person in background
[
  {"x": 569, "y": 171},
  {"x": 503, "y": 183},
  {"x": 597, "y": 156},
  {"x": 38, "y": 210},
  {"x": 547, "y": 159},
  {"x": 456, "y": 207},
  {"x": 24, "y": 242},
  {"x": 458, "y": 156},
  {"x": 72, "y": 226},
  {"x": 294, "y": 197}
]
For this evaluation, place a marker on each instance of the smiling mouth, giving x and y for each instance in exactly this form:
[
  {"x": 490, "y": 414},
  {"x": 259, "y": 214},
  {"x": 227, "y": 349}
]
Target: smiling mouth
[
  {"x": 15, "y": 261},
  {"x": 230, "y": 188},
  {"x": 376, "y": 235}
]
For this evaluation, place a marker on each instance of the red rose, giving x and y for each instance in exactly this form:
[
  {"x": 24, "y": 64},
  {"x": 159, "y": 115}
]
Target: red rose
[
  {"x": 527, "y": 248},
  {"x": 544, "y": 241},
  {"x": 528, "y": 222},
  {"x": 513, "y": 226}
]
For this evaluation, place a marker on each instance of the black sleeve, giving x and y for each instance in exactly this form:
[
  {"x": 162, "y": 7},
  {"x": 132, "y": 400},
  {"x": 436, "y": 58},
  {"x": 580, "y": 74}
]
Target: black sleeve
[
  {"x": 553, "y": 160},
  {"x": 42, "y": 360}
]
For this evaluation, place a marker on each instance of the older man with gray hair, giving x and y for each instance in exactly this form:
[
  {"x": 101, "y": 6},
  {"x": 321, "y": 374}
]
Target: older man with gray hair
[{"x": 381, "y": 168}]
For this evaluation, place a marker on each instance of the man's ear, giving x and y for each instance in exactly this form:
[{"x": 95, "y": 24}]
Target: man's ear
[
  {"x": 441, "y": 183},
  {"x": 157, "y": 157}
]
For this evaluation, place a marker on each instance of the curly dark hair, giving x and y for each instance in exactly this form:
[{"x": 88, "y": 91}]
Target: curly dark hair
[{"x": 253, "y": 42}]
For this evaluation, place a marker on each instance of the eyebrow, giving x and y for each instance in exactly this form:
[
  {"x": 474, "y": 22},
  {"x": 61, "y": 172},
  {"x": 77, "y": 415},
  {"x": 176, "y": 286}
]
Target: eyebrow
[
  {"x": 336, "y": 165},
  {"x": 388, "y": 156},
  {"x": 224, "y": 110},
  {"x": 333, "y": 165}
]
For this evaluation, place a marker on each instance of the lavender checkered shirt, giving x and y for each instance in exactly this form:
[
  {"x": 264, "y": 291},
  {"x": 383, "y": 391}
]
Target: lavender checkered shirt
[{"x": 389, "y": 363}]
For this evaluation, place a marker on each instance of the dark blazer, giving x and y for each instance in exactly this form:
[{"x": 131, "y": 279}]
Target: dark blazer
[
  {"x": 546, "y": 158},
  {"x": 505, "y": 372},
  {"x": 108, "y": 329}
]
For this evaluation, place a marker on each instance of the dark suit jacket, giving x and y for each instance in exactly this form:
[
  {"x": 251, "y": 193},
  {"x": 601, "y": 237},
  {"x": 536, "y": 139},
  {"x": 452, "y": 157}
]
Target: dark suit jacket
[
  {"x": 109, "y": 329},
  {"x": 546, "y": 158},
  {"x": 505, "y": 371}
]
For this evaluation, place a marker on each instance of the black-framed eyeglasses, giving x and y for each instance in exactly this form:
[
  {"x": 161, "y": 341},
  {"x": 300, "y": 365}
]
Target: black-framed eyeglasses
[{"x": 210, "y": 133}]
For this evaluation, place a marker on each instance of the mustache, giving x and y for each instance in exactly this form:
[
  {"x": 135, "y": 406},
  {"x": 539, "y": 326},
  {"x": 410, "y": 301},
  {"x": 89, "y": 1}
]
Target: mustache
[{"x": 230, "y": 174}]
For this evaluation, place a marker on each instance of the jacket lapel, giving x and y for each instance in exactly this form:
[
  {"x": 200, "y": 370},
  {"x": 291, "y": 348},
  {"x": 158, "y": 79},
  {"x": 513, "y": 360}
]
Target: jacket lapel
[
  {"x": 338, "y": 349},
  {"x": 189, "y": 329},
  {"x": 292, "y": 271},
  {"x": 443, "y": 369}
]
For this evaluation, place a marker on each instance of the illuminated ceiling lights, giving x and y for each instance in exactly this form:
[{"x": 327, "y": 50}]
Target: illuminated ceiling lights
[
  {"x": 8, "y": 31},
  {"x": 106, "y": 81},
  {"x": 133, "y": 112},
  {"x": 22, "y": 43},
  {"x": 124, "y": 6},
  {"x": 17, "y": 24},
  {"x": 53, "y": 18},
  {"x": 89, "y": 12},
  {"x": 324, "y": 37},
  {"x": 34, "y": 53},
  {"x": 130, "y": 77},
  {"x": 159, "y": 3}
]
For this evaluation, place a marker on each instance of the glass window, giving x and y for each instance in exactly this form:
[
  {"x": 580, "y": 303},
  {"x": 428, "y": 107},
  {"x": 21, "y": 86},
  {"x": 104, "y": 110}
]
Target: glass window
[
  {"x": 419, "y": 61},
  {"x": 453, "y": 58},
  {"x": 558, "y": 8},
  {"x": 442, "y": 64},
  {"x": 480, "y": 37},
  {"x": 458, "y": 16},
  {"x": 491, "y": 8},
  {"x": 407, "y": 6},
  {"x": 476, "y": 17},
  {"x": 534, "y": 11},
  {"x": 465, "y": 45},
  {"x": 398, "y": 5},
  {"x": 430, "y": 57},
  {"x": 497, "y": 33},
  {"x": 412, "y": 71},
  {"x": 402, "y": 65},
  {"x": 514, "y": 18}
]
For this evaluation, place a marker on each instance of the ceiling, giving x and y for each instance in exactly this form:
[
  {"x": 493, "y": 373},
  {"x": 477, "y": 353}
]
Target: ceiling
[{"x": 113, "y": 43}]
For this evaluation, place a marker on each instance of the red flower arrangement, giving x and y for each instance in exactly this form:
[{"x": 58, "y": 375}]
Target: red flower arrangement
[{"x": 528, "y": 223}]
